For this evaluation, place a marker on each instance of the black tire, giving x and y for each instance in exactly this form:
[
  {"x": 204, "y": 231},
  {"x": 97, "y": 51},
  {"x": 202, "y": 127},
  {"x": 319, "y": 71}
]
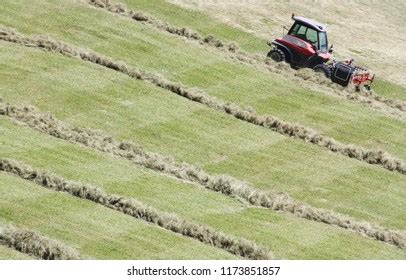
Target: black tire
[
  {"x": 323, "y": 68},
  {"x": 277, "y": 55}
]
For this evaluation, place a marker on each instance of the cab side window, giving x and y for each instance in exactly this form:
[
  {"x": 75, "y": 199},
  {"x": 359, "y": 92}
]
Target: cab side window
[
  {"x": 302, "y": 30},
  {"x": 305, "y": 33},
  {"x": 311, "y": 36},
  {"x": 299, "y": 31}
]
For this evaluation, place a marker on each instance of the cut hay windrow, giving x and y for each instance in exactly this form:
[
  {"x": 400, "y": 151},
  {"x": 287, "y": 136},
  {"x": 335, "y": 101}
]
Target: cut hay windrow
[
  {"x": 129, "y": 206},
  {"x": 226, "y": 185},
  {"x": 31, "y": 243},
  {"x": 185, "y": 32},
  {"x": 394, "y": 103},
  {"x": 368, "y": 98},
  {"x": 375, "y": 157}
]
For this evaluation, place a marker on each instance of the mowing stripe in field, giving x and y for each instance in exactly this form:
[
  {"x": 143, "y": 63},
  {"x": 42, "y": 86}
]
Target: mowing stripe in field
[
  {"x": 31, "y": 243},
  {"x": 46, "y": 123},
  {"x": 129, "y": 206},
  {"x": 368, "y": 98},
  {"x": 375, "y": 157}
]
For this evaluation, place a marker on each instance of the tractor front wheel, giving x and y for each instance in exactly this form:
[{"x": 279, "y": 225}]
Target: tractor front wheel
[
  {"x": 277, "y": 55},
  {"x": 323, "y": 68}
]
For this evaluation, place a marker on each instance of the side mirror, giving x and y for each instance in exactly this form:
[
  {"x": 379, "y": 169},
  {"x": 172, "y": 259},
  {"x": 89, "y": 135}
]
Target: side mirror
[
  {"x": 330, "y": 50},
  {"x": 314, "y": 47}
]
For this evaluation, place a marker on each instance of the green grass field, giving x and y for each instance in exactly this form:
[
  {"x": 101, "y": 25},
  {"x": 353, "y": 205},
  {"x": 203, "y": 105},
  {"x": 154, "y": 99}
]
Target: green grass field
[
  {"x": 8, "y": 253},
  {"x": 289, "y": 237},
  {"x": 90, "y": 96},
  {"x": 390, "y": 90},
  {"x": 144, "y": 47}
]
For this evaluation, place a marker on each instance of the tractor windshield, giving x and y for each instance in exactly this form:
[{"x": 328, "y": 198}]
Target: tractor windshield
[{"x": 319, "y": 39}]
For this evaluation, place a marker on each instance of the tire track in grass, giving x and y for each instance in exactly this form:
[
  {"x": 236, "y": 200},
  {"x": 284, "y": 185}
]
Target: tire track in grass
[
  {"x": 129, "y": 206},
  {"x": 31, "y": 243},
  {"x": 308, "y": 135},
  {"x": 226, "y": 185},
  {"x": 302, "y": 76}
]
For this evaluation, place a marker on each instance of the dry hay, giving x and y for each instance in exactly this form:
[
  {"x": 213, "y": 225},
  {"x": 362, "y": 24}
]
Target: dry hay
[
  {"x": 129, "y": 206},
  {"x": 303, "y": 77},
  {"x": 346, "y": 20},
  {"x": 29, "y": 242},
  {"x": 376, "y": 157},
  {"x": 229, "y": 186}
]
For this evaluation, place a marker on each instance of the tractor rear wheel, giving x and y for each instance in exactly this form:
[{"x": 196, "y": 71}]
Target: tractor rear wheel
[
  {"x": 323, "y": 68},
  {"x": 277, "y": 55}
]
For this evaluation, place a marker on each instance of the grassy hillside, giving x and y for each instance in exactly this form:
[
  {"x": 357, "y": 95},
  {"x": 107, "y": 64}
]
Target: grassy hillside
[
  {"x": 201, "y": 22},
  {"x": 132, "y": 110},
  {"x": 381, "y": 50},
  {"x": 8, "y": 253},
  {"x": 287, "y": 236},
  {"x": 251, "y": 30},
  {"x": 390, "y": 90},
  {"x": 86, "y": 95},
  {"x": 95, "y": 231},
  {"x": 146, "y": 48}
]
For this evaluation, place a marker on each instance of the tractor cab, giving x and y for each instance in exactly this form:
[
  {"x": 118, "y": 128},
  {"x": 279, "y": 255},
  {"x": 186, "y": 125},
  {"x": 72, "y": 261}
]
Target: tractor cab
[
  {"x": 310, "y": 32},
  {"x": 305, "y": 45}
]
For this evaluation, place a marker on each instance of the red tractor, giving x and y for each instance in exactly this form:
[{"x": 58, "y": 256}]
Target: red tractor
[{"x": 306, "y": 45}]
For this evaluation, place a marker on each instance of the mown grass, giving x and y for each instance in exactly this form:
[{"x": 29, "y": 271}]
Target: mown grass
[
  {"x": 90, "y": 96},
  {"x": 7, "y": 253},
  {"x": 176, "y": 15},
  {"x": 287, "y": 236},
  {"x": 96, "y": 231},
  {"x": 390, "y": 90},
  {"x": 133, "y": 110},
  {"x": 382, "y": 53},
  {"x": 205, "y": 24},
  {"x": 142, "y": 46},
  {"x": 198, "y": 21}
]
